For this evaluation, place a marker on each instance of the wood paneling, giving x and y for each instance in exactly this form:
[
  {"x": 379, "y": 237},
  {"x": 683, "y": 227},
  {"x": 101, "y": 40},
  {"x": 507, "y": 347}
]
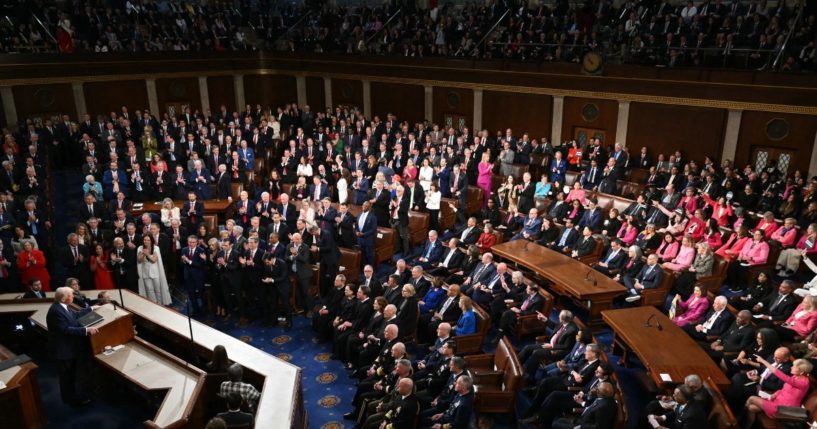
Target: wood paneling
[
  {"x": 523, "y": 113},
  {"x": 180, "y": 91},
  {"x": 573, "y": 118},
  {"x": 221, "y": 90},
  {"x": 269, "y": 90},
  {"x": 315, "y": 94},
  {"x": 799, "y": 140},
  {"x": 44, "y": 100},
  {"x": 3, "y": 116},
  {"x": 407, "y": 102},
  {"x": 347, "y": 92},
  {"x": 453, "y": 101},
  {"x": 696, "y": 131},
  {"x": 102, "y": 98}
]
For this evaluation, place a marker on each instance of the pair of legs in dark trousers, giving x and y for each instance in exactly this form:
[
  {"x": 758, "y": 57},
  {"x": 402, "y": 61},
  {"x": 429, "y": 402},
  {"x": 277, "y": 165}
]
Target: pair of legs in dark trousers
[
  {"x": 275, "y": 299},
  {"x": 543, "y": 390},
  {"x": 533, "y": 355},
  {"x": 74, "y": 375}
]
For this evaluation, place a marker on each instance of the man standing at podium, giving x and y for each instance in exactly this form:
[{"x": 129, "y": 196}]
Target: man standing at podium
[{"x": 68, "y": 345}]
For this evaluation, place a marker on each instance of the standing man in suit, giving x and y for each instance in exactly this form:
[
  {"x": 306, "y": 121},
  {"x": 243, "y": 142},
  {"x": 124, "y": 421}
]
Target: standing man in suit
[
  {"x": 275, "y": 279},
  {"x": 193, "y": 259},
  {"x": 399, "y": 219},
  {"x": 459, "y": 184},
  {"x": 297, "y": 255},
  {"x": 76, "y": 258},
  {"x": 379, "y": 199},
  {"x": 123, "y": 265},
  {"x": 288, "y": 211},
  {"x": 329, "y": 256},
  {"x": 366, "y": 229},
  {"x": 558, "y": 168},
  {"x": 192, "y": 212},
  {"x": 200, "y": 181},
  {"x": 223, "y": 183},
  {"x": 526, "y": 190},
  {"x": 229, "y": 268},
  {"x": 67, "y": 344},
  {"x": 345, "y": 227}
]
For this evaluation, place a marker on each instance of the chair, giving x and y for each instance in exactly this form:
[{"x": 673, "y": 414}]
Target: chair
[
  {"x": 349, "y": 264},
  {"x": 384, "y": 244},
  {"x": 657, "y": 296},
  {"x": 497, "y": 378},
  {"x": 474, "y": 199},
  {"x": 720, "y": 416},
  {"x": 571, "y": 177},
  {"x": 211, "y": 223},
  {"x": 447, "y": 216},
  {"x": 595, "y": 255},
  {"x": 235, "y": 190},
  {"x": 714, "y": 281},
  {"x": 418, "y": 227},
  {"x": 470, "y": 344}
]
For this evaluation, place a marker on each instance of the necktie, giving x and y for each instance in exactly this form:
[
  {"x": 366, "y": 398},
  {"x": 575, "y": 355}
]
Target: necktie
[
  {"x": 526, "y": 303},
  {"x": 556, "y": 336}
]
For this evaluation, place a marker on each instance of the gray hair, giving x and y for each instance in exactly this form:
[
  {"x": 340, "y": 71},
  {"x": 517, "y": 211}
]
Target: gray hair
[
  {"x": 693, "y": 380},
  {"x": 468, "y": 382},
  {"x": 565, "y": 316}
]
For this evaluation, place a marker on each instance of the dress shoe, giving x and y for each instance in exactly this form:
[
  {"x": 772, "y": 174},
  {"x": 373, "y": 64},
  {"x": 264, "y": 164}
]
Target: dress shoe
[{"x": 350, "y": 416}]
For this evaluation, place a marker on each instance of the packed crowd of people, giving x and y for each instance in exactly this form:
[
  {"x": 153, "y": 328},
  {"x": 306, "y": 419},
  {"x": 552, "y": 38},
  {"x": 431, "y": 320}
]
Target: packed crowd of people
[
  {"x": 301, "y": 172},
  {"x": 712, "y": 33}
]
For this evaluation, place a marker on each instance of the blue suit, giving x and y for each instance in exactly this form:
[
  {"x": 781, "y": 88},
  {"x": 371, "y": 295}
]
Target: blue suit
[
  {"x": 202, "y": 189},
  {"x": 557, "y": 171},
  {"x": 323, "y": 192},
  {"x": 532, "y": 227},
  {"x": 367, "y": 227},
  {"x": 433, "y": 252},
  {"x": 362, "y": 192},
  {"x": 466, "y": 324},
  {"x": 107, "y": 181},
  {"x": 248, "y": 156},
  {"x": 591, "y": 218},
  {"x": 432, "y": 300},
  {"x": 193, "y": 273}
]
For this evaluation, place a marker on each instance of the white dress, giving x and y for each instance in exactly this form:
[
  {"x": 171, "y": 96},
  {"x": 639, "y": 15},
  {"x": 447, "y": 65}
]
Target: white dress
[
  {"x": 152, "y": 280},
  {"x": 343, "y": 190},
  {"x": 425, "y": 176}
]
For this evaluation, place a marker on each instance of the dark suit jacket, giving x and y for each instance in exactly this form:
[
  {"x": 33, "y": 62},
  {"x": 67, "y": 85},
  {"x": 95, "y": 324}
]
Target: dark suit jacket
[
  {"x": 721, "y": 324},
  {"x": 650, "y": 279},
  {"x": 237, "y": 418},
  {"x": 738, "y": 338},
  {"x": 783, "y": 310},
  {"x": 301, "y": 260},
  {"x": 369, "y": 229},
  {"x": 66, "y": 337},
  {"x": 601, "y": 414},
  {"x": 585, "y": 246},
  {"x": 567, "y": 339},
  {"x": 692, "y": 416}
]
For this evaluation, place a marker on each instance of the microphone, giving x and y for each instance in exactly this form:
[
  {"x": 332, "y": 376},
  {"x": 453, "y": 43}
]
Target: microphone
[
  {"x": 591, "y": 277},
  {"x": 647, "y": 323},
  {"x": 525, "y": 248}
]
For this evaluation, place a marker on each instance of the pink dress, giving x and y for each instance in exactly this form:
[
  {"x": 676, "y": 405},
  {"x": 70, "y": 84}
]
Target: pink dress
[
  {"x": 689, "y": 312},
  {"x": 791, "y": 395},
  {"x": 484, "y": 180},
  {"x": 683, "y": 260}
]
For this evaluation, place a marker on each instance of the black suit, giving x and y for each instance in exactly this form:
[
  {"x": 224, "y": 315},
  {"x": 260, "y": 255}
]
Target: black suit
[
  {"x": 601, "y": 414},
  {"x": 585, "y": 246},
  {"x": 329, "y": 255},
  {"x": 346, "y": 231},
  {"x": 692, "y": 416},
  {"x": 124, "y": 270},
  {"x": 736, "y": 339},
  {"x": 454, "y": 263},
  {"x": 532, "y": 355},
  {"x": 67, "y": 343},
  {"x": 719, "y": 327},
  {"x": 78, "y": 267},
  {"x": 508, "y": 320}
]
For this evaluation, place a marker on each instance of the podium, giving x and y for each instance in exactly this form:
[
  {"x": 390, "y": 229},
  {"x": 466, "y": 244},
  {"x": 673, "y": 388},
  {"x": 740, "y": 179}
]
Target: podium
[{"x": 115, "y": 328}]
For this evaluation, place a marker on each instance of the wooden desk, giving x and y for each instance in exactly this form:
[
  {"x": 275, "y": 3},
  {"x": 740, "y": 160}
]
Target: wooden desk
[
  {"x": 568, "y": 276},
  {"x": 223, "y": 209},
  {"x": 668, "y": 350},
  {"x": 20, "y": 402},
  {"x": 280, "y": 405}
]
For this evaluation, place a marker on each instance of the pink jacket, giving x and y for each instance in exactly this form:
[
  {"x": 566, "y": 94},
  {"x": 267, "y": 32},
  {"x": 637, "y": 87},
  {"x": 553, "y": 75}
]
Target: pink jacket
[
  {"x": 735, "y": 245},
  {"x": 805, "y": 324},
  {"x": 801, "y": 244},
  {"x": 683, "y": 260},
  {"x": 627, "y": 236},
  {"x": 667, "y": 252},
  {"x": 792, "y": 393},
  {"x": 755, "y": 253},
  {"x": 690, "y": 312},
  {"x": 785, "y": 236},
  {"x": 768, "y": 228}
]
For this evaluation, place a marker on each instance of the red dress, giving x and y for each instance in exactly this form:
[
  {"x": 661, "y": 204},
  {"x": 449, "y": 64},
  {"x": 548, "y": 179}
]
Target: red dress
[
  {"x": 103, "y": 277},
  {"x": 35, "y": 271}
]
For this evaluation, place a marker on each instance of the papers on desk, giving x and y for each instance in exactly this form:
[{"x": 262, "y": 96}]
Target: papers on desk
[
  {"x": 139, "y": 206},
  {"x": 665, "y": 378}
]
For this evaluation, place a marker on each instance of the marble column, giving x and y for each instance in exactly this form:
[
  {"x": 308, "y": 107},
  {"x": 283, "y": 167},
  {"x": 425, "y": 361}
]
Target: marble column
[
  {"x": 300, "y": 84},
  {"x": 622, "y": 122},
  {"x": 8, "y": 106},
  {"x": 153, "y": 98},
  {"x": 812, "y": 166},
  {"x": 327, "y": 91},
  {"x": 556, "y": 120},
  {"x": 238, "y": 88},
  {"x": 730, "y": 137},
  {"x": 367, "y": 99},
  {"x": 477, "y": 121},
  {"x": 204, "y": 94},
  {"x": 79, "y": 99},
  {"x": 429, "y": 103}
]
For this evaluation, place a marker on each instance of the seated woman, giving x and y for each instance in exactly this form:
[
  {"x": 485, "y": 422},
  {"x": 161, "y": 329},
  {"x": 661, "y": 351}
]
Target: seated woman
[
  {"x": 689, "y": 202},
  {"x": 549, "y": 233},
  {"x": 574, "y": 212},
  {"x": 766, "y": 342},
  {"x": 487, "y": 239},
  {"x": 786, "y": 234},
  {"x": 542, "y": 188},
  {"x": 668, "y": 249},
  {"x": 789, "y": 260},
  {"x": 801, "y": 322},
  {"x": 701, "y": 267},
  {"x": 760, "y": 288},
  {"x": 731, "y": 249},
  {"x": 633, "y": 265},
  {"x": 696, "y": 226},
  {"x": 767, "y": 225},
  {"x": 753, "y": 253},
  {"x": 577, "y": 193},
  {"x": 467, "y": 323},
  {"x": 648, "y": 239},
  {"x": 611, "y": 225},
  {"x": 791, "y": 395},
  {"x": 685, "y": 256},
  {"x": 712, "y": 235},
  {"x": 628, "y": 231},
  {"x": 692, "y": 310}
]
